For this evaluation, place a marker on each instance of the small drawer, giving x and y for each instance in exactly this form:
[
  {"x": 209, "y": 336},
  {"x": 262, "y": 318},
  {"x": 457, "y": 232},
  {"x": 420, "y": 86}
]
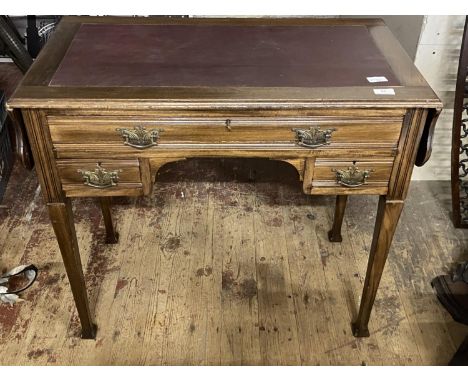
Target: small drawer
[
  {"x": 100, "y": 178},
  {"x": 306, "y": 132},
  {"x": 342, "y": 176}
]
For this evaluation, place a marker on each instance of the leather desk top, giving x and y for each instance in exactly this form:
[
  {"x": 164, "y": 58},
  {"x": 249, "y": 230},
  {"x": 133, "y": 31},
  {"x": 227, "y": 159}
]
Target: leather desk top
[
  {"x": 114, "y": 55},
  {"x": 159, "y": 62}
]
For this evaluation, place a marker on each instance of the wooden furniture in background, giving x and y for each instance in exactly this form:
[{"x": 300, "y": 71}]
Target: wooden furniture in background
[
  {"x": 459, "y": 135},
  {"x": 460, "y": 358},
  {"x": 10, "y": 76},
  {"x": 104, "y": 110}
]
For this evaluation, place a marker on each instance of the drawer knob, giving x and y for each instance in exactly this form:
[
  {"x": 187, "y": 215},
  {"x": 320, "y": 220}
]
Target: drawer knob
[
  {"x": 352, "y": 177},
  {"x": 139, "y": 137},
  {"x": 100, "y": 177},
  {"x": 228, "y": 124},
  {"x": 313, "y": 137}
]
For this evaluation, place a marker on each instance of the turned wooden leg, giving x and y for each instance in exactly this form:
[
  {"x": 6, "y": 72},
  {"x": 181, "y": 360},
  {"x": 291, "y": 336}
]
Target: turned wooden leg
[
  {"x": 112, "y": 237},
  {"x": 61, "y": 216},
  {"x": 334, "y": 234},
  {"x": 388, "y": 214}
]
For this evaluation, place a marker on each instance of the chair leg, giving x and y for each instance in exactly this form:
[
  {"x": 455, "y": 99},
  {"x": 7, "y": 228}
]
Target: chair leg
[
  {"x": 334, "y": 235},
  {"x": 112, "y": 236}
]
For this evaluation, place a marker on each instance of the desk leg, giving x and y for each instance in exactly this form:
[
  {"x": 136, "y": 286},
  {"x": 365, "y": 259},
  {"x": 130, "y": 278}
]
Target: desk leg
[
  {"x": 112, "y": 237},
  {"x": 61, "y": 216},
  {"x": 334, "y": 235},
  {"x": 388, "y": 214}
]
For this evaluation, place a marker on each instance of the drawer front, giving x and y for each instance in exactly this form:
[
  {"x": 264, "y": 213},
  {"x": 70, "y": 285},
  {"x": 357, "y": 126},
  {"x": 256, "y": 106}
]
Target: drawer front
[
  {"x": 241, "y": 130},
  {"x": 100, "y": 178},
  {"x": 360, "y": 176}
]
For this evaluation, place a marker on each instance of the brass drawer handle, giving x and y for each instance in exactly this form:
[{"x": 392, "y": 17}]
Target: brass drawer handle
[
  {"x": 139, "y": 137},
  {"x": 100, "y": 177},
  {"x": 352, "y": 177},
  {"x": 313, "y": 137}
]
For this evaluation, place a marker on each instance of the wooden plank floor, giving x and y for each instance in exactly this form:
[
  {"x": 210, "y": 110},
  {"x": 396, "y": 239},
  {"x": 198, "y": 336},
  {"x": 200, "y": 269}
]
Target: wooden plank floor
[{"x": 230, "y": 266}]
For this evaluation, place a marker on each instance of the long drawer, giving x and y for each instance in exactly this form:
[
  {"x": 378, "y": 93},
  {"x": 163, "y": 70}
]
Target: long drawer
[{"x": 91, "y": 130}]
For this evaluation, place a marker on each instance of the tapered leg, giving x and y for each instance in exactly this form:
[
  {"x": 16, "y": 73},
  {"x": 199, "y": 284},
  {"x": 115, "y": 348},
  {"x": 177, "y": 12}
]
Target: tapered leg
[
  {"x": 61, "y": 216},
  {"x": 334, "y": 234},
  {"x": 388, "y": 214},
  {"x": 112, "y": 237}
]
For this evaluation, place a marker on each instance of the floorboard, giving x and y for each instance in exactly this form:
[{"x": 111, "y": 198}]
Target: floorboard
[{"x": 230, "y": 266}]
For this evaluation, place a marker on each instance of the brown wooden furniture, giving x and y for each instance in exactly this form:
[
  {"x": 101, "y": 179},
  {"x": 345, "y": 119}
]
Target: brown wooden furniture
[
  {"x": 10, "y": 76},
  {"x": 460, "y": 358},
  {"x": 459, "y": 137},
  {"x": 110, "y": 100}
]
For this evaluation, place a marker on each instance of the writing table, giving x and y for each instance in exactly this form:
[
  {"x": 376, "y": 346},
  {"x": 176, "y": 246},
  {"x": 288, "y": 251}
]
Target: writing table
[{"x": 110, "y": 100}]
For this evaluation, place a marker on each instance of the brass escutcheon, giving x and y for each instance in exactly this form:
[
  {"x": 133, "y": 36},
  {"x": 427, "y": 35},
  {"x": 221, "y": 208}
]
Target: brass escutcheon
[{"x": 228, "y": 124}]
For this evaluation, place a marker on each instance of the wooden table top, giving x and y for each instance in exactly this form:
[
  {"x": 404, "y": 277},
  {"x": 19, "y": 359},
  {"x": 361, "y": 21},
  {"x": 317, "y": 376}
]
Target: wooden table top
[{"x": 115, "y": 62}]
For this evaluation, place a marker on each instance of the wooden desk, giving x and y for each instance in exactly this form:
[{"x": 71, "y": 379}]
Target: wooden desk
[{"x": 110, "y": 100}]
